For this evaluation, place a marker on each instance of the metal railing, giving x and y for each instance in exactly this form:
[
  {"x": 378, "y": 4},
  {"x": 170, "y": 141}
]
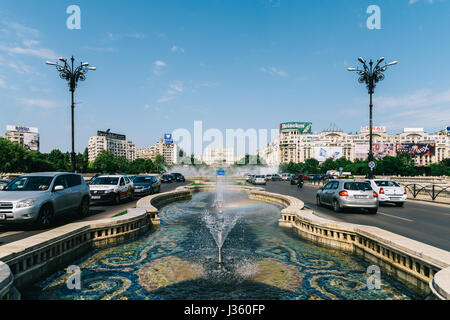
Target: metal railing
[{"x": 432, "y": 190}]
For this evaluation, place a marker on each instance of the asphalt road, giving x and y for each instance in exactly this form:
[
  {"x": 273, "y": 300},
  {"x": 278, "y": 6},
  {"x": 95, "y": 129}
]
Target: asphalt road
[
  {"x": 427, "y": 223},
  {"x": 13, "y": 233}
]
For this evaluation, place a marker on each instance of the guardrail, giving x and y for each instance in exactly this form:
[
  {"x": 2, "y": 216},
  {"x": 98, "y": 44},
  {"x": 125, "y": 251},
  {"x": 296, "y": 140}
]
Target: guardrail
[{"x": 432, "y": 190}]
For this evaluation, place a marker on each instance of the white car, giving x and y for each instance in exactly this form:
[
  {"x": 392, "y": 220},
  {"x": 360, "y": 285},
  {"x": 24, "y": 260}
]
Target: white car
[
  {"x": 285, "y": 176},
  {"x": 260, "y": 179},
  {"x": 389, "y": 191},
  {"x": 111, "y": 188}
]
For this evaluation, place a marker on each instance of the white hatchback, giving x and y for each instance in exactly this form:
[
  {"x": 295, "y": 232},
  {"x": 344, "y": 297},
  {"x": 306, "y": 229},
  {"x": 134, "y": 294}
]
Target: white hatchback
[{"x": 389, "y": 191}]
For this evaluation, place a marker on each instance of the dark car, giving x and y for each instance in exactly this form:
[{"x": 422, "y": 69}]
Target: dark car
[
  {"x": 166, "y": 178},
  {"x": 178, "y": 177},
  {"x": 145, "y": 185},
  {"x": 4, "y": 183},
  {"x": 276, "y": 177}
]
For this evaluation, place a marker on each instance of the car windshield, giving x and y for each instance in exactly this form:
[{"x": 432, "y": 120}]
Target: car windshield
[
  {"x": 3, "y": 183},
  {"x": 260, "y": 176},
  {"x": 105, "y": 181},
  {"x": 357, "y": 186},
  {"x": 143, "y": 180},
  {"x": 387, "y": 184},
  {"x": 33, "y": 183}
]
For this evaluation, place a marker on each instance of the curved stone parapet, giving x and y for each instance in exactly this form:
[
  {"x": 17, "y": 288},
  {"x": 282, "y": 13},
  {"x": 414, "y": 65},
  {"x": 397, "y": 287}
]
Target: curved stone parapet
[
  {"x": 420, "y": 266},
  {"x": 440, "y": 285}
]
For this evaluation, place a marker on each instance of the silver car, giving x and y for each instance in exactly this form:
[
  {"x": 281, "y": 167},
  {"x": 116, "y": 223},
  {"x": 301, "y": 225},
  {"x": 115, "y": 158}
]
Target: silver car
[
  {"x": 39, "y": 197},
  {"x": 342, "y": 194}
]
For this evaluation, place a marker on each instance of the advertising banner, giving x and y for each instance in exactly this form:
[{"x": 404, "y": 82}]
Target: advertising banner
[
  {"x": 380, "y": 150},
  {"x": 168, "y": 138},
  {"x": 374, "y": 129},
  {"x": 417, "y": 149},
  {"x": 303, "y": 127},
  {"x": 31, "y": 141},
  {"x": 323, "y": 153}
]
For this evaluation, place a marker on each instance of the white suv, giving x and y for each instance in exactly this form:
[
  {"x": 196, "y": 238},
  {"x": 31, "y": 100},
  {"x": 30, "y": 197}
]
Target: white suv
[
  {"x": 389, "y": 191},
  {"x": 111, "y": 188}
]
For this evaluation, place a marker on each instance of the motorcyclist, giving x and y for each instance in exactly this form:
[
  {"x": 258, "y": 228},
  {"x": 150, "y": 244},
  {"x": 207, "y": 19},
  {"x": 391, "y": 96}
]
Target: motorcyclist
[{"x": 300, "y": 181}]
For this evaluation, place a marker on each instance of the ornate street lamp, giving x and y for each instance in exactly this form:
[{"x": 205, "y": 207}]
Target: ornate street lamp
[
  {"x": 371, "y": 76},
  {"x": 72, "y": 75}
]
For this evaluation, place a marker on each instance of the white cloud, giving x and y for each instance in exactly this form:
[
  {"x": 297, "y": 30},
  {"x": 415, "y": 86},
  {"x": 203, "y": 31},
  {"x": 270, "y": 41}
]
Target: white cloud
[
  {"x": 177, "y": 49},
  {"x": 41, "y": 103},
  {"x": 411, "y": 2},
  {"x": 422, "y": 108},
  {"x": 158, "y": 65},
  {"x": 274, "y": 71},
  {"x": 43, "y": 53},
  {"x": 176, "y": 88},
  {"x": 2, "y": 83}
]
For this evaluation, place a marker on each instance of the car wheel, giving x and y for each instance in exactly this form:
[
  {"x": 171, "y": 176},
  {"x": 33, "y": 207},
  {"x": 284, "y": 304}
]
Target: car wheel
[
  {"x": 83, "y": 211},
  {"x": 336, "y": 206},
  {"x": 399, "y": 204},
  {"x": 319, "y": 204},
  {"x": 117, "y": 199},
  {"x": 45, "y": 218},
  {"x": 373, "y": 211}
]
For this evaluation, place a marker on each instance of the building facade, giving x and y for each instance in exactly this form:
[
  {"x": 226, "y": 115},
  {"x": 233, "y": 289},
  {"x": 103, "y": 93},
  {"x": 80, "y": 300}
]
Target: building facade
[
  {"x": 297, "y": 146},
  {"x": 27, "y": 137},
  {"x": 219, "y": 157},
  {"x": 115, "y": 143},
  {"x": 169, "y": 151}
]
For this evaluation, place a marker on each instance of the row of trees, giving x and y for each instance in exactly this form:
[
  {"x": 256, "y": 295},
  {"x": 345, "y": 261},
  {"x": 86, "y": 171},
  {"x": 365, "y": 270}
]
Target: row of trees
[
  {"x": 400, "y": 165},
  {"x": 15, "y": 158}
]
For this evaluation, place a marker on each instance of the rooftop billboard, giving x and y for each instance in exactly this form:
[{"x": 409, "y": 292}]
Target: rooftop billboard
[
  {"x": 417, "y": 149},
  {"x": 303, "y": 127}
]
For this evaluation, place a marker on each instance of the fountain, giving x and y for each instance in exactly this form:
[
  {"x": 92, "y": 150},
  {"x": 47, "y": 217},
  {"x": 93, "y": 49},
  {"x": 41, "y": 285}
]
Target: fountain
[{"x": 218, "y": 222}]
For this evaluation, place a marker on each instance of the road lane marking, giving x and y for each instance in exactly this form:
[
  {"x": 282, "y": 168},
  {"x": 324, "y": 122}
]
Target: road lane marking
[{"x": 389, "y": 215}]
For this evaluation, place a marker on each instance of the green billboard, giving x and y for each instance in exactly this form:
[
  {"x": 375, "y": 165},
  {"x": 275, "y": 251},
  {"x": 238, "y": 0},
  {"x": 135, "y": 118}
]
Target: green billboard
[{"x": 303, "y": 127}]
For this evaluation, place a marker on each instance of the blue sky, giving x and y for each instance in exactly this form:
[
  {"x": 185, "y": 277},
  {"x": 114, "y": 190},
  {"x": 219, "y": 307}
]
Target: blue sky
[{"x": 232, "y": 64}]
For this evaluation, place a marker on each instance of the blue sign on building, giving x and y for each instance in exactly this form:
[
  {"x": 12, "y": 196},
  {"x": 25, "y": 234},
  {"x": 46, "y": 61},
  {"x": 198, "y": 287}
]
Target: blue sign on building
[
  {"x": 168, "y": 138},
  {"x": 221, "y": 172}
]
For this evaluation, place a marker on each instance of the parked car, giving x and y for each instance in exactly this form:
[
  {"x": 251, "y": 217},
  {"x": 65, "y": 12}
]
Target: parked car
[
  {"x": 389, "y": 191},
  {"x": 166, "y": 178},
  {"x": 145, "y": 185},
  {"x": 342, "y": 194},
  {"x": 111, "y": 188},
  {"x": 178, "y": 177},
  {"x": 285, "y": 176},
  {"x": 260, "y": 179},
  {"x": 40, "y": 197},
  {"x": 276, "y": 177},
  {"x": 4, "y": 183},
  {"x": 268, "y": 177},
  {"x": 248, "y": 177}
]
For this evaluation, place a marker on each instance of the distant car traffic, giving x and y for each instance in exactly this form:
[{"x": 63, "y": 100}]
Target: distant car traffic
[
  {"x": 4, "y": 183},
  {"x": 285, "y": 176},
  {"x": 342, "y": 194},
  {"x": 268, "y": 177},
  {"x": 166, "y": 178},
  {"x": 111, "y": 188},
  {"x": 39, "y": 197},
  {"x": 146, "y": 185},
  {"x": 389, "y": 191},
  {"x": 178, "y": 177}
]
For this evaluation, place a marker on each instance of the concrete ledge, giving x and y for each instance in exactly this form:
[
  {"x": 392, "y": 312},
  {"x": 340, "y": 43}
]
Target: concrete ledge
[{"x": 419, "y": 266}]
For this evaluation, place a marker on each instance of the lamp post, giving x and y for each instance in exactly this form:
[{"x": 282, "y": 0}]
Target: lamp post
[
  {"x": 72, "y": 75},
  {"x": 371, "y": 75}
]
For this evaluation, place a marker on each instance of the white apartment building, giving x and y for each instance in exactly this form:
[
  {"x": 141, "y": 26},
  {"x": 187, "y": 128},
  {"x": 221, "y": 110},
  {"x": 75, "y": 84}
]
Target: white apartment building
[
  {"x": 271, "y": 154},
  {"x": 27, "y": 137},
  {"x": 170, "y": 152},
  {"x": 296, "y": 146},
  {"x": 112, "y": 142},
  {"x": 219, "y": 157}
]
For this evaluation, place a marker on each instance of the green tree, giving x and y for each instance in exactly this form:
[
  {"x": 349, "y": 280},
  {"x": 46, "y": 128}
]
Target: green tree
[
  {"x": 311, "y": 166},
  {"x": 105, "y": 163}
]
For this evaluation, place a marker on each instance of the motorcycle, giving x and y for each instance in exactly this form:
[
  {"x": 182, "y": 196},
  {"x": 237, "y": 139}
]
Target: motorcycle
[{"x": 300, "y": 184}]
